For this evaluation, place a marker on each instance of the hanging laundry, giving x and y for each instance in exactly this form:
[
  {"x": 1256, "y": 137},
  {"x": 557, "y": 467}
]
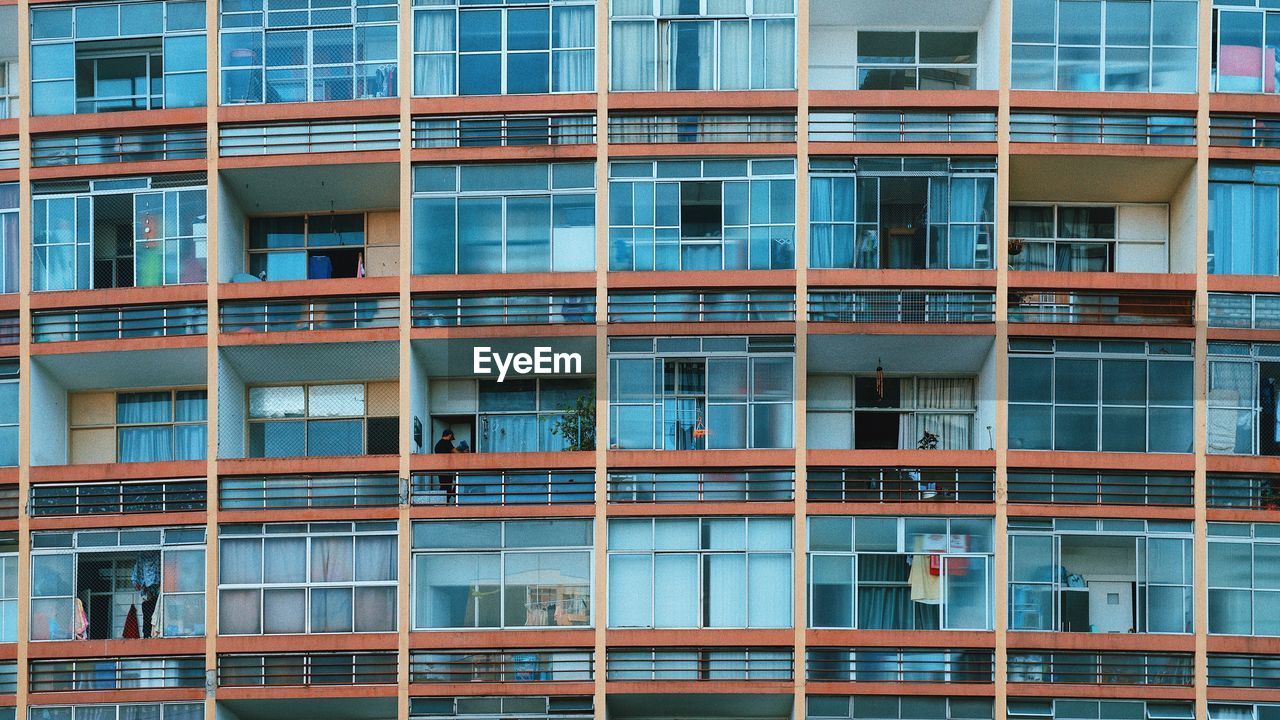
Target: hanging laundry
[{"x": 131, "y": 624}]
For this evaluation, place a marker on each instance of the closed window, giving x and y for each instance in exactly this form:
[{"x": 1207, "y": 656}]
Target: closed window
[{"x": 322, "y": 420}]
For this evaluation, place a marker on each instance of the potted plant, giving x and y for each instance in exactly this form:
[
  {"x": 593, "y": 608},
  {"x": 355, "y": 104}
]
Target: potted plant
[{"x": 577, "y": 425}]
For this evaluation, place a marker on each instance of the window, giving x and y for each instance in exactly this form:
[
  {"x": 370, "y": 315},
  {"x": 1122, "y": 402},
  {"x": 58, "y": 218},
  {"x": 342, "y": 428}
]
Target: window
[
  {"x": 1244, "y": 219},
  {"x": 121, "y": 232},
  {"x": 1117, "y": 396},
  {"x": 495, "y": 574},
  {"x": 703, "y": 45},
  {"x": 504, "y": 218},
  {"x": 902, "y": 213},
  {"x": 131, "y": 711},
  {"x": 148, "y": 426},
  {"x": 700, "y": 572},
  {"x": 9, "y": 413},
  {"x": 890, "y": 413},
  {"x": 1243, "y": 415},
  {"x": 1063, "y": 238},
  {"x": 916, "y": 60},
  {"x": 726, "y": 214},
  {"x": 106, "y": 57},
  {"x": 1084, "y": 575},
  {"x": 1109, "y": 45},
  {"x": 527, "y": 707},
  {"x": 86, "y": 584},
  {"x": 280, "y": 51},
  {"x": 302, "y": 247},
  {"x": 516, "y": 415},
  {"x": 893, "y": 707},
  {"x": 316, "y": 420},
  {"x": 888, "y": 573},
  {"x": 470, "y": 48},
  {"x": 8, "y": 587},
  {"x": 116, "y": 674},
  {"x": 700, "y": 393},
  {"x": 1084, "y": 709},
  {"x": 1244, "y": 579},
  {"x": 336, "y": 577},
  {"x": 9, "y": 258},
  {"x": 1245, "y": 43}
]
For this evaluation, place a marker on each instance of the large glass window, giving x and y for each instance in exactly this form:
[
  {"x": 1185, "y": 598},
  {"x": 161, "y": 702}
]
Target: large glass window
[
  {"x": 902, "y": 213},
  {"x": 1246, "y": 46},
  {"x": 1244, "y": 392},
  {"x": 131, "y": 711},
  {"x": 1071, "y": 238},
  {"x": 496, "y": 574},
  {"x": 888, "y": 573},
  {"x": 314, "y": 420},
  {"x": 315, "y": 50},
  {"x": 105, "y": 57},
  {"x": 301, "y": 247},
  {"x": 1244, "y": 579},
  {"x": 703, "y": 45},
  {"x": 148, "y": 426},
  {"x": 332, "y": 577},
  {"x": 516, "y": 415},
  {"x": 700, "y": 572},
  {"x": 8, "y": 587},
  {"x": 488, "y": 48},
  {"x": 1244, "y": 219},
  {"x": 127, "y": 232},
  {"x": 1105, "y": 45},
  {"x": 9, "y": 258},
  {"x": 863, "y": 412},
  {"x": 724, "y": 214},
  {"x": 700, "y": 393},
  {"x": 1117, "y": 395},
  {"x": 910, "y": 60},
  {"x": 9, "y": 414},
  {"x": 504, "y": 218}
]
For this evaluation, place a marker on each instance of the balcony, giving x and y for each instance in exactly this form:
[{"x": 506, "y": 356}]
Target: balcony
[
  {"x": 503, "y": 488},
  {"x": 899, "y": 665},
  {"x": 507, "y": 666},
  {"x": 308, "y": 491},
  {"x": 118, "y": 147},
  {"x": 902, "y": 126},
  {"x": 244, "y": 139},
  {"x": 338, "y": 313},
  {"x": 945, "y": 307},
  {"x": 1244, "y": 311},
  {"x": 702, "y": 128},
  {"x": 130, "y": 321},
  {"x": 1110, "y": 488},
  {"x": 1075, "y": 307},
  {"x": 1104, "y": 128},
  {"x": 725, "y": 307},
  {"x": 109, "y": 498},
  {"x": 1244, "y": 671},
  {"x": 1247, "y": 492},
  {"x": 503, "y": 131},
  {"x": 307, "y": 669},
  {"x": 1249, "y": 131},
  {"x": 116, "y": 674},
  {"x": 477, "y": 310},
  {"x": 1100, "y": 668},
  {"x": 897, "y": 485},
  {"x": 701, "y": 487},
  {"x": 677, "y": 664}
]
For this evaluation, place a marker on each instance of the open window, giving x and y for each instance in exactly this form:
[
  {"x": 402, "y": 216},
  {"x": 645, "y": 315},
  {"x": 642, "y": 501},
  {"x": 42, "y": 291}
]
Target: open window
[{"x": 307, "y": 247}]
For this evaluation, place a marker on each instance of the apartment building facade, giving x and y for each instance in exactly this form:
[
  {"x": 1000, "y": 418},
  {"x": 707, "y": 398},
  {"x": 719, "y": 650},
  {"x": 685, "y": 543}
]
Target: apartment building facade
[{"x": 996, "y": 282}]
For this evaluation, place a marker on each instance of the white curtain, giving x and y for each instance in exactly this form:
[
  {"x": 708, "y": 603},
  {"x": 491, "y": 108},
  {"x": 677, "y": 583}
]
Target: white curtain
[
  {"x": 692, "y": 52},
  {"x": 434, "y": 32},
  {"x": 777, "y": 55},
  {"x": 770, "y": 595},
  {"x": 573, "y": 70},
  {"x": 635, "y": 41},
  {"x": 735, "y": 55},
  {"x": 953, "y": 429},
  {"x": 726, "y": 590}
]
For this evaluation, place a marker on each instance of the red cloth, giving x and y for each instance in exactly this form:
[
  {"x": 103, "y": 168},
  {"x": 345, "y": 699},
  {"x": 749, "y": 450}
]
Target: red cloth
[
  {"x": 131, "y": 624},
  {"x": 1245, "y": 61}
]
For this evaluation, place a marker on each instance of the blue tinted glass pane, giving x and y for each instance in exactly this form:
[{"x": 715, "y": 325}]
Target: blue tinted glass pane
[
  {"x": 528, "y": 30},
  {"x": 334, "y": 437},
  {"x": 480, "y": 74},
  {"x": 480, "y": 30},
  {"x": 528, "y": 73}
]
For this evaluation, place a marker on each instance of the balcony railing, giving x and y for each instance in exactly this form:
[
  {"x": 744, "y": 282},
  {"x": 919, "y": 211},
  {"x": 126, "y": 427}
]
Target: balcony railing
[
  {"x": 1101, "y": 308},
  {"x": 902, "y": 126},
  {"x": 153, "y": 496},
  {"x": 53, "y": 150},
  {"x": 1071, "y": 488},
  {"x": 501, "y": 666},
  {"x": 1108, "y": 128},
  {"x": 699, "y": 664},
  {"x": 899, "y": 665},
  {"x": 302, "y": 669},
  {"x": 9, "y": 328},
  {"x": 1248, "y": 671},
  {"x": 307, "y": 491},
  {"x": 504, "y": 488},
  {"x": 1244, "y": 130},
  {"x": 465, "y": 310},
  {"x": 8, "y": 678},
  {"x": 880, "y": 485},
  {"x": 702, "y": 128},
  {"x": 1250, "y": 311},
  {"x": 312, "y": 137},
  {"x": 328, "y": 314},
  {"x": 1100, "y": 668},
  {"x": 1250, "y": 492},
  {"x": 8, "y": 153},
  {"x": 742, "y": 306},
  {"x": 116, "y": 674},
  {"x": 503, "y": 130},
  {"x": 698, "y": 487},
  {"x": 945, "y": 307},
  {"x": 8, "y": 502},
  {"x": 124, "y": 322}
]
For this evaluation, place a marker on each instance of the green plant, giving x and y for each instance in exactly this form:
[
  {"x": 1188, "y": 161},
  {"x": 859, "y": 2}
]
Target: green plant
[{"x": 578, "y": 424}]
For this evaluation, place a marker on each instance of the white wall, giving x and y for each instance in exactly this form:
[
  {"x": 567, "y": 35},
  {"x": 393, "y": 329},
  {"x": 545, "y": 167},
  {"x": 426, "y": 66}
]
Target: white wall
[
  {"x": 986, "y": 412},
  {"x": 418, "y": 402},
  {"x": 1142, "y": 238},
  {"x": 233, "y": 410},
  {"x": 231, "y": 231},
  {"x": 48, "y": 426},
  {"x": 989, "y": 39},
  {"x": 1182, "y": 227}
]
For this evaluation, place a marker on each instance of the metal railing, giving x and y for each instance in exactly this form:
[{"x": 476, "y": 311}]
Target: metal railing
[
  {"x": 9, "y": 328},
  {"x": 309, "y": 137},
  {"x": 741, "y": 306},
  {"x": 302, "y": 669},
  {"x": 9, "y": 153},
  {"x": 902, "y": 126},
  {"x": 1112, "y": 488},
  {"x": 945, "y": 307},
  {"x": 1109, "y": 128},
  {"x": 699, "y": 664},
  {"x": 1244, "y": 130},
  {"x": 540, "y": 309},
  {"x": 329, "y": 314},
  {"x": 1256, "y": 311},
  {"x": 117, "y": 323},
  {"x": 116, "y": 673},
  {"x": 8, "y": 502},
  {"x": 501, "y": 666},
  {"x": 305, "y": 491},
  {"x": 697, "y": 487},
  {"x": 153, "y": 496},
  {"x": 1101, "y": 308},
  {"x": 702, "y": 128},
  {"x": 55, "y": 150},
  {"x": 880, "y": 485},
  {"x": 1100, "y": 668},
  {"x": 503, "y": 130},
  {"x": 504, "y": 488},
  {"x": 1251, "y": 492},
  {"x": 8, "y": 677},
  {"x": 1251, "y": 671},
  {"x": 900, "y": 665}
]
